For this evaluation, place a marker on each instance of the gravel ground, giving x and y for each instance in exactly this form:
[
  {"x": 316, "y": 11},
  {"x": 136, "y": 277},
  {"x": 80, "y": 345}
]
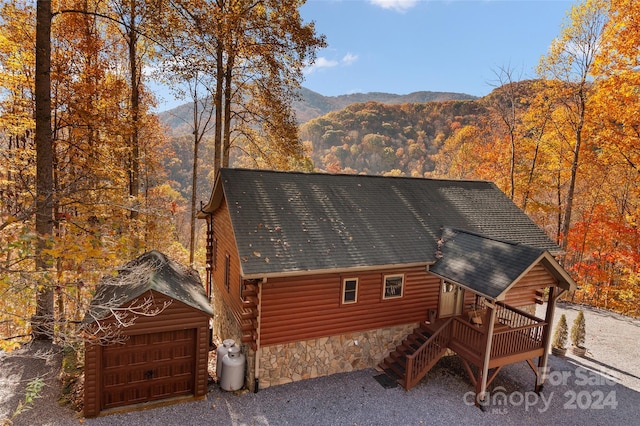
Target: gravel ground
[{"x": 601, "y": 388}]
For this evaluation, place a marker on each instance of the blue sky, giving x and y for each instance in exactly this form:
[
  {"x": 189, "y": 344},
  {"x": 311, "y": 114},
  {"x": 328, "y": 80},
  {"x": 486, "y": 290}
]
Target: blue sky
[{"x": 404, "y": 46}]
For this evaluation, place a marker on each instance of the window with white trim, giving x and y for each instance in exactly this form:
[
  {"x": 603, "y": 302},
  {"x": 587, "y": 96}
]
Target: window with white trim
[
  {"x": 393, "y": 286},
  {"x": 349, "y": 290}
]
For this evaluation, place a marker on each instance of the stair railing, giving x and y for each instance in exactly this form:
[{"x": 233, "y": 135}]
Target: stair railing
[{"x": 420, "y": 362}]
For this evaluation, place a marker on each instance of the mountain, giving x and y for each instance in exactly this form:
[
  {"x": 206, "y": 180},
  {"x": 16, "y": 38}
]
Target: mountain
[
  {"x": 413, "y": 126},
  {"x": 312, "y": 105}
]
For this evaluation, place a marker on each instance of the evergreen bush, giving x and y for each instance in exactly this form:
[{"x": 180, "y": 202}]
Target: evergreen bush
[{"x": 578, "y": 332}]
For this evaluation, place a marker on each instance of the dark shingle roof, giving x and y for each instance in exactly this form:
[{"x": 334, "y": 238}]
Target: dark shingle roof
[
  {"x": 288, "y": 222},
  {"x": 151, "y": 271},
  {"x": 486, "y": 266}
]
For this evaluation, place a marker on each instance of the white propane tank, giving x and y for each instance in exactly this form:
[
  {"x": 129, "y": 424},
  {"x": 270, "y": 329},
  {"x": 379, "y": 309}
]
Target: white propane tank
[
  {"x": 233, "y": 367},
  {"x": 220, "y": 353}
]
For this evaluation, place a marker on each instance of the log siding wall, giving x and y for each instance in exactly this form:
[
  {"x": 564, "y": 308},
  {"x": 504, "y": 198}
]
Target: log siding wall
[
  {"x": 523, "y": 293},
  {"x": 308, "y": 307},
  {"x": 226, "y": 251}
]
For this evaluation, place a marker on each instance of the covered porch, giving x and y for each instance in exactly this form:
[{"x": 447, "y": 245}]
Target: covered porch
[
  {"x": 488, "y": 333},
  {"x": 492, "y": 335}
]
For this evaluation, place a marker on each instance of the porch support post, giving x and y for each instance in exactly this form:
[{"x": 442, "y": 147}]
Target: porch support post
[
  {"x": 487, "y": 352},
  {"x": 554, "y": 295}
]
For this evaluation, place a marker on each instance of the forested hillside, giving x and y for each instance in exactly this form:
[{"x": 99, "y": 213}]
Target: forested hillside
[
  {"x": 310, "y": 105},
  {"x": 373, "y": 138}
]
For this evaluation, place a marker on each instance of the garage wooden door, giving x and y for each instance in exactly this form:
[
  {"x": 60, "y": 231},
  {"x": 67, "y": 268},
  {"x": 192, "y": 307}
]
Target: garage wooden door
[{"x": 148, "y": 367}]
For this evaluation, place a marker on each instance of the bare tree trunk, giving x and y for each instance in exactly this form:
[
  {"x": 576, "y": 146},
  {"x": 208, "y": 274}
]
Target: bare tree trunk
[
  {"x": 218, "y": 106},
  {"x": 194, "y": 179},
  {"x": 42, "y": 322},
  {"x": 566, "y": 220},
  {"x": 134, "y": 171},
  {"x": 228, "y": 98},
  {"x": 559, "y": 202}
]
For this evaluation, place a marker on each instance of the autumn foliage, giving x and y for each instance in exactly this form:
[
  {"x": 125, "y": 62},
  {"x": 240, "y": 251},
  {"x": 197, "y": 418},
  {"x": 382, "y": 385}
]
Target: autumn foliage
[
  {"x": 84, "y": 188},
  {"x": 565, "y": 146}
]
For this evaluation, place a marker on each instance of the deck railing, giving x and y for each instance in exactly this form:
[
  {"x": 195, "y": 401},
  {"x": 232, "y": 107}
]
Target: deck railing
[
  {"x": 469, "y": 336},
  {"x": 517, "y": 333},
  {"x": 514, "y": 317},
  {"x": 517, "y": 340},
  {"x": 524, "y": 332}
]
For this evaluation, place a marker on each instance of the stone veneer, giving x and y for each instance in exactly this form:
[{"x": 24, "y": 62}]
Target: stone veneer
[{"x": 290, "y": 362}]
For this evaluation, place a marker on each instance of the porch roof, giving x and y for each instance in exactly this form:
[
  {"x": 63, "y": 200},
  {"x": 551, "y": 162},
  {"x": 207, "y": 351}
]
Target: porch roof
[{"x": 490, "y": 267}]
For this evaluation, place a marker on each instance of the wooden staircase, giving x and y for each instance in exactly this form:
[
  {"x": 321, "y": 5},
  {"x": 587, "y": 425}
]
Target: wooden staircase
[{"x": 417, "y": 354}]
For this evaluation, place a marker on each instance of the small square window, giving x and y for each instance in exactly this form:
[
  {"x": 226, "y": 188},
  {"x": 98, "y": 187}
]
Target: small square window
[
  {"x": 349, "y": 290},
  {"x": 393, "y": 286}
]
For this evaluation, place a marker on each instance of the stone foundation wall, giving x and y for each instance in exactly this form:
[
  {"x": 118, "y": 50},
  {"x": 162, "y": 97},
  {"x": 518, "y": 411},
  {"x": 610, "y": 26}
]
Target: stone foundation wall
[{"x": 290, "y": 362}]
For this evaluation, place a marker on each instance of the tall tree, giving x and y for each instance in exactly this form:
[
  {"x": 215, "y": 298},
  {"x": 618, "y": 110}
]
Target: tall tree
[
  {"x": 258, "y": 54},
  {"x": 570, "y": 61},
  {"x": 505, "y": 103},
  {"x": 44, "y": 316}
]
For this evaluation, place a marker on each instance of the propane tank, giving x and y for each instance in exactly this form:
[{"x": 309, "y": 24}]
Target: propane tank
[
  {"x": 233, "y": 367},
  {"x": 220, "y": 353}
]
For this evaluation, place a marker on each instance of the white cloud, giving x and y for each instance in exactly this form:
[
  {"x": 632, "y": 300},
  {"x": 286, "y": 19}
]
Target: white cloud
[
  {"x": 397, "y": 5},
  {"x": 322, "y": 63},
  {"x": 349, "y": 59}
]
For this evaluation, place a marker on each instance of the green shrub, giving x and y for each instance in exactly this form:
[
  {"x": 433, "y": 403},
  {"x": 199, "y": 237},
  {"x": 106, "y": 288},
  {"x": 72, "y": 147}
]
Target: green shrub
[
  {"x": 561, "y": 333},
  {"x": 578, "y": 332}
]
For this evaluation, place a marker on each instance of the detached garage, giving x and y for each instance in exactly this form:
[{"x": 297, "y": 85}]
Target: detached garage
[{"x": 147, "y": 336}]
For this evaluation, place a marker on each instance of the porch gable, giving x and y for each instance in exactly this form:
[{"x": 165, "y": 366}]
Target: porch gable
[{"x": 490, "y": 267}]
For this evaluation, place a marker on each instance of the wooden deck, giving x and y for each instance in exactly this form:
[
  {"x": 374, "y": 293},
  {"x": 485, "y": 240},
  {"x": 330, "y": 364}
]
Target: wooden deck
[{"x": 517, "y": 336}]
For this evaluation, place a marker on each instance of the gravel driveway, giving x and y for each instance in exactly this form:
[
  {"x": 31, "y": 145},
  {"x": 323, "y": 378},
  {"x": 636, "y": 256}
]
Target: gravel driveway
[{"x": 601, "y": 388}]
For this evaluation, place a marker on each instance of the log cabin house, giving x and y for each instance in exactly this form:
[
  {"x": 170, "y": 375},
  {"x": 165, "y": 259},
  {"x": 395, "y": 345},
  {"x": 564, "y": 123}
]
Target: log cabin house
[{"x": 318, "y": 274}]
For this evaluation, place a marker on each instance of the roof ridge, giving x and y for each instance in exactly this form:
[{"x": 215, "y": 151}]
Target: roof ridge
[
  {"x": 320, "y": 173},
  {"x": 486, "y": 237}
]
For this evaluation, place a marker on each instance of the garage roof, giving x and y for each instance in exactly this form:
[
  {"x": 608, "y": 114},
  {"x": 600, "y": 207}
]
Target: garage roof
[{"x": 151, "y": 271}]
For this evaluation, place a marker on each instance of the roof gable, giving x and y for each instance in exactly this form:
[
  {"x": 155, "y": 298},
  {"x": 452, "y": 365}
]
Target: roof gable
[
  {"x": 490, "y": 267},
  {"x": 288, "y": 222},
  {"x": 151, "y": 271}
]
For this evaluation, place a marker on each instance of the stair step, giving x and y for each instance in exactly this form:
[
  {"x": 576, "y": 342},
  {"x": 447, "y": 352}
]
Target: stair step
[
  {"x": 407, "y": 350},
  {"x": 425, "y": 328},
  {"x": 395, "y": 364},
  {"x": 410, "y": 344},
  {"x": 399, "y": 358},
  {"x": 389, "y": 372},
  {"x": 390, "y": 364},
  {"x": 398, "y": 368},
  {"x": 421, "y": 331},
  {"x": 416, "y": 339}
]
